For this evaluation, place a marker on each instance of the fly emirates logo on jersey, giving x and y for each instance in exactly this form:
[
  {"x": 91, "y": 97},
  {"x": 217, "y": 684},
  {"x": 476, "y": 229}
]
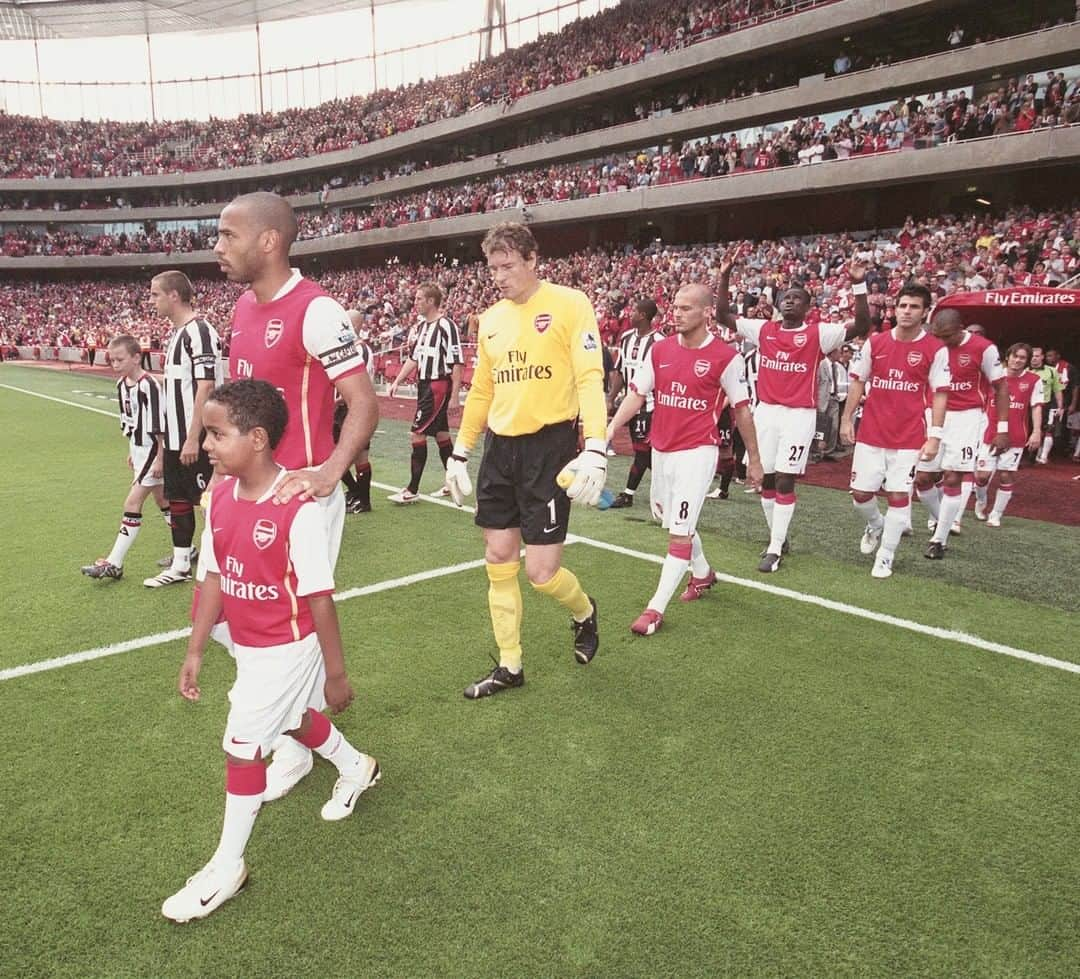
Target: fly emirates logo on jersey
[
  {"x": 518, "y": 368},
  {"x": 896, "y": 378},
  {"x": 232, "y": 576},
  {"x": 782, "y": 361},
  {"x": 679, "y": 397}
]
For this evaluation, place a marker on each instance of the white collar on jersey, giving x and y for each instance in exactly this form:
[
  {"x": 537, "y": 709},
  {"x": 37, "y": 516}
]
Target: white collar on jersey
[
  {"x": 290, "y": 284},
  {"x": 282, "y": 471},
  {"x": 892, "y": 333}
]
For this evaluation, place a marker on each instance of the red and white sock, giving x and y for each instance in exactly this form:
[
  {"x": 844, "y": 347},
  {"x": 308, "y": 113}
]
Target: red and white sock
[
  {"x": 783, "y": 511},
  {"x": 329, "y": 743},
  {"x": 982, "y": 493},
  {"x": 931, "y": 499},
  {"x": 768, "y": 504},
  {"x": 244, "y": 787},
  {"x": 699, "y": 565},
  {"x": 129, "y": 530},
  {"x": 897, "y": 520},
  {"x": 966, "y": 488},
  {"x": 1001, "y": 500},
  {"x": 950, "y": 510},
  {"x": 672, "y": 573}
]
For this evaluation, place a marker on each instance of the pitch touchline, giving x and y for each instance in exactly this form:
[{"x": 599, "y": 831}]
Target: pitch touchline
[
  {"x": 936, "y": 632},
  {"x": 159, "y": 638}
]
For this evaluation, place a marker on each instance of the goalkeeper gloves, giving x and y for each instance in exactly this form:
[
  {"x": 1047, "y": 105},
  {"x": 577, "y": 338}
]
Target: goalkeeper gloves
[
  {"x": 457, "y": 474},
  {"x": 584, "y": 477}
]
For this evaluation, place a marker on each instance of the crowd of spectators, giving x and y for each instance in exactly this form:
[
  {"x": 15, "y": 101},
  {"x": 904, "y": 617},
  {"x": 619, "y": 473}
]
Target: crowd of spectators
[
  {"x": 950, "y": 254},
  {"x": 628, "y": 33},
  {"x": 1019, "y": 105},
  {"x": 622, "y": 35}
]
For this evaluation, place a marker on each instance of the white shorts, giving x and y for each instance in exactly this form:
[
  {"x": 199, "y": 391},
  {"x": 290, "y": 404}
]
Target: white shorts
[
  {"x": 959, "y": 448},
  {"x": 784, "y": 437},
  {"x": 1008, "y": 461},
  {"x": 274, "y": 688},
  {"x": 874, "y": 468},
  {"x": 142, "y": 458},
  {"x": 679, "y": 483}
]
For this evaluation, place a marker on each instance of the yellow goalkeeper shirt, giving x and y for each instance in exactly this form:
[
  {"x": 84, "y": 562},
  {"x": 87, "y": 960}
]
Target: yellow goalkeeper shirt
[{"x": 538, "y": 363}]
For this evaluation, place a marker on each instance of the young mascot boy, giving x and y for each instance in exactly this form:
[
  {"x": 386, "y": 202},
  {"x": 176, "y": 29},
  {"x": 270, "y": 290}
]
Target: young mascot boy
[{"x": 268, "y": 569}]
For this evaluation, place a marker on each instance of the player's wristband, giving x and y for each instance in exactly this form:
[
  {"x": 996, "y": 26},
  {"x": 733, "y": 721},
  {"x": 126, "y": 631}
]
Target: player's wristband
[
  {"x": 1003, "y": 428},
  {"x": 935, "y": 432},
  {"x": 858, "y": 288}
]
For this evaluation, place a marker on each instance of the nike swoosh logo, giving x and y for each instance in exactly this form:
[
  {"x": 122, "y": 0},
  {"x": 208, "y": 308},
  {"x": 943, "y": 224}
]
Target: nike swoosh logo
[
  {"x": 235, "y": 741},
  {"x": 490, "y": 336},
  {"x": 204, "y": 901},
  {"x": 352, "y": 798},
  {"x": 550, "y": 530},
  {"x": 664, "y": 365}
]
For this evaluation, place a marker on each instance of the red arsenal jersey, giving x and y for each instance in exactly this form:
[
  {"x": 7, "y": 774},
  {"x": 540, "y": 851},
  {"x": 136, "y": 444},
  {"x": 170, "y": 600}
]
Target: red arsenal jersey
[
  {"x": 788, "y": 360},
  {"x": 270, "y": 558},
  {"x": 898, "y": 376},
  {"x": 301, "y": 342},
  {"x": 1025, "y": 392},
  {"x": 688, "y": 385},
  {"x": 974, "y": 365}
]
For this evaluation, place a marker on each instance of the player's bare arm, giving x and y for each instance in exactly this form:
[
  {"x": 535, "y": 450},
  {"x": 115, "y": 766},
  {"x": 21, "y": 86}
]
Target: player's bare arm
[
  {"x": 189, "y": 451},
  {"x": 1036, "y": 428},
  {"x": 457, "y": 374},
  {"x": 339, "y": 692},
  {"x": 847, "y": 423},
  {"x": 744, "y": 421},
  {"x": 1000, "y": 441},
  {"x": 937, "y": 420},
  {"x": 861, "y": 326},
  {"x": 157, "y": 467},
  {"x": 207, "y": 613},
  {"x": 406, "y": 371},
  {"x": 360, "y": 420},
  {"x": 724, "y": 315}
]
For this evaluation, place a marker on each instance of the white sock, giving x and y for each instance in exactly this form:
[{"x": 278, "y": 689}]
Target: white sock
[
  {"x": 1047, "y": 445},
  {"x": 240, "y": 813},
  {"x": 781, "y": 520},
  {"x": 966, "y": 488},
  {"x": 982, "y": 493},
  {"x": 1001, "y": 500},
  {"x": 897, "y": 520},
  {"x": 931, "y": 499},
  {"x": 181, "y": 559},
  {"x": 629, "y": 492},
  {"x": 671, "y": 576},
  {"x": 768, "y": 504},
  {"x": 336, "y": 750},
  {"x": 950, "y": 509},
  {"x": 129, "y": 530},
  {"x": 699, "y": 565},
  {"x": 870, "y": 512},
  {"x": 166, "y": 516}
]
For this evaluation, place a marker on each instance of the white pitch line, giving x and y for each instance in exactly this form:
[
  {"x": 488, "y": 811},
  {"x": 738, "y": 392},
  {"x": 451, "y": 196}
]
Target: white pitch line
[
  {"x": 160, "y": 638},
  {"x": 936, "y": 632},
  {"x": 61, "y": 401}
]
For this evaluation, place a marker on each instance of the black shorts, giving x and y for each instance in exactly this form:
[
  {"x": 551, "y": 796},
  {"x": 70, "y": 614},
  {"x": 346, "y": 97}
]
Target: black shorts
[
  {"x": 432, "y": 404},
  {"x": 516, "y": 486},
  {"x": 186, "y": 482},
  {"x": 639, "y": 427},
  {"x": 723, "y": 426}
]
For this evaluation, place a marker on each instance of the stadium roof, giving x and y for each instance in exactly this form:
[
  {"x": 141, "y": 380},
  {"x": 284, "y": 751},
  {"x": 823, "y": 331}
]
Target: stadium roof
[{"x": 23, "y": 20}]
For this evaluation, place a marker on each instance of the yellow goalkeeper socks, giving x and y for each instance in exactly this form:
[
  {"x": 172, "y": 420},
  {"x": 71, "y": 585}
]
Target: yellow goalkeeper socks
[
  {"x": 564, "y": 587},
  {"x": 504, "y": 601}
]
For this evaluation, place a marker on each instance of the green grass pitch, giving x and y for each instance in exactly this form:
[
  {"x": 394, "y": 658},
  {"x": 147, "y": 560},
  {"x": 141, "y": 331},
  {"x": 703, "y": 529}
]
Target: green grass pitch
[{"x": 766, "y": 787}]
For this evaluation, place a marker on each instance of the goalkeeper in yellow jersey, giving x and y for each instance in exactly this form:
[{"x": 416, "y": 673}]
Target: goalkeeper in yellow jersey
[{"x": 539, "y": 369}]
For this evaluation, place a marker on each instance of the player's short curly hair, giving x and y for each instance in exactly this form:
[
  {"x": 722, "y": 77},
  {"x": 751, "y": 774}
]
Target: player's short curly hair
[
  {"x": 254, "y": 404},
  {"x": 509, "y": 236},
  {"x": 432, "y": 291},
  {"x": 1026, "y": 347},
  {"x": 175, "y": 281},
  {"x": 127, "y": 342}
]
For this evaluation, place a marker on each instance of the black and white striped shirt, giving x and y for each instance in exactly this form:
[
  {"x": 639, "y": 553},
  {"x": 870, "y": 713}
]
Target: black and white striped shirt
[
  {"x": 633, "y": 352},
  {"x": 141, "y": 410},
  {"x": 436, "y": 349},
  {"x": 193, "y": 354},
  {"x": 750, "y": 358}
]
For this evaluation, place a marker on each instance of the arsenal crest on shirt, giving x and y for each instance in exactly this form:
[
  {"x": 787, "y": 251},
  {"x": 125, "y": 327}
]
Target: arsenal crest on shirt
[
  {"x": 542, "y": 321},
  {"x": 964, "y": 360},
  {"x": 800, "y": 339},
  {"x": 914, "y": 357},
  {"x": 701, "y": 368},
  {"x": 274, "y": 329},
  {"x": 264, "y": 534}
]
